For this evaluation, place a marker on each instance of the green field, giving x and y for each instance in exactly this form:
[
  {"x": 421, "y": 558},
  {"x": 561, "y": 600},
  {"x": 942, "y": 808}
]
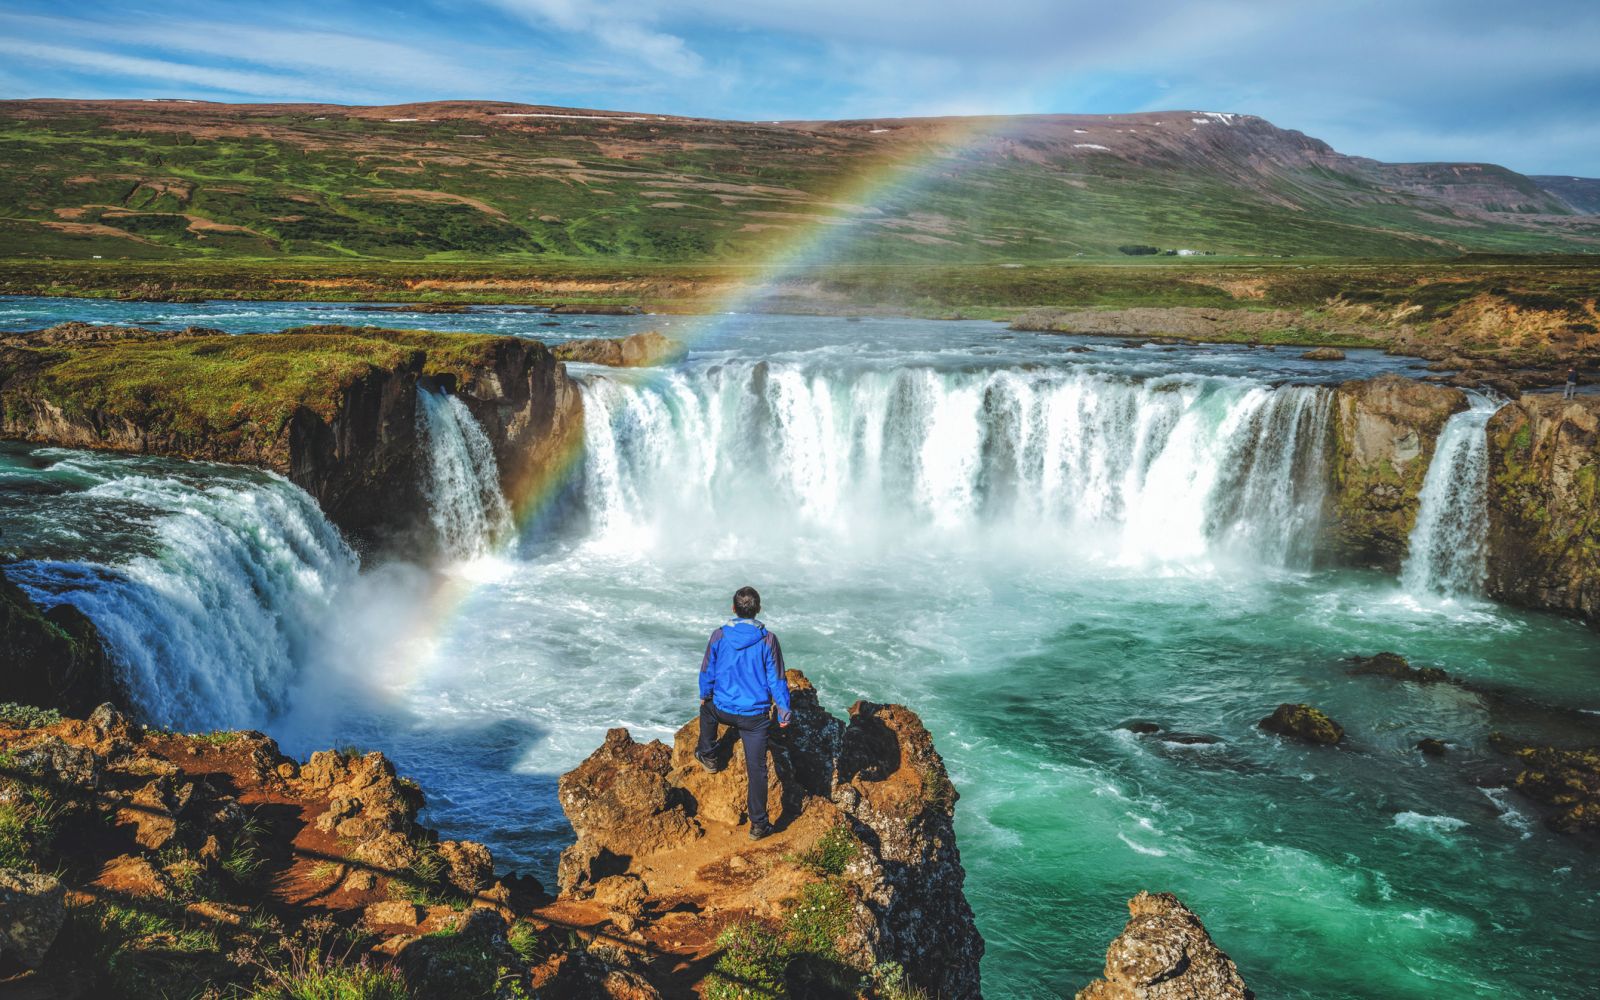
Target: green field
[{"x": 149, "y": 181}]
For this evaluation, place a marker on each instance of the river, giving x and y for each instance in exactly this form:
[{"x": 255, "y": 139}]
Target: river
[{"x": 1032, "y": 540}]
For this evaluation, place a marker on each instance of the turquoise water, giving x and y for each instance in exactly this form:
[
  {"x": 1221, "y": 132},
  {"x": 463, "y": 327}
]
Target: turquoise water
[{"x": 1030, "y": 544}]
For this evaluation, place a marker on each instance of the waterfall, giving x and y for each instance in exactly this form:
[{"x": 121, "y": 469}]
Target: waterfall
[
  {"x": 1448, "y": 550},
  {"x": 1172, "y": 469},
  {"x": 461, "y": 477},
  {"x": 210, "y": 612}
]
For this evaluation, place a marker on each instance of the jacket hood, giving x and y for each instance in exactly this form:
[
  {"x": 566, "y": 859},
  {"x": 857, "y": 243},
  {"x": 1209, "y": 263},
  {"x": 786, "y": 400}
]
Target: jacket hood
[{"x": 744, "y": 632}]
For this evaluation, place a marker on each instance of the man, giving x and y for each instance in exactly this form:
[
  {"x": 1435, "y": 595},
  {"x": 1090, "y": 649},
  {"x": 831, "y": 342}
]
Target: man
[
  {"x": 740, "y": 677},
  {"x": 1572, "y": 383}
]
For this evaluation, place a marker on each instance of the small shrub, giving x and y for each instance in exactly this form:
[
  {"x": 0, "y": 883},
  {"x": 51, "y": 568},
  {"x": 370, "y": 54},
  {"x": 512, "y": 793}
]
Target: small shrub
[
  {"x": 30, "y": 820},
  {"x": 820, "y": 917},
  {"x": 27, "y": 716},
  {"x": 424, "y": 882},
  {"x": 320, "y": 979},
  {"x": 832, "y": 853},
  {"x": 751, "y": 966}
]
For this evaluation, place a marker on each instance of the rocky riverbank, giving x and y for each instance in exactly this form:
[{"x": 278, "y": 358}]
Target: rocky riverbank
[
  {"x": 332, "y": 408},
  {"x": 161, "y": 863}
]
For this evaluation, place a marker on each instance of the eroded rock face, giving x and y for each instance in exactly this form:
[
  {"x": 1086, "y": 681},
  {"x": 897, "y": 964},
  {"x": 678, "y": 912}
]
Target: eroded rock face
[
  {"x": 1164, "y": 953},
  {"x": 1383, "y": 440},
  {"x": 1544, "y": 505},
  {"x": 32, "y": 909}
]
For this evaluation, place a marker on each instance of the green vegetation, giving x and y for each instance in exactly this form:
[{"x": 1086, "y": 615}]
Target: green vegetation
[
  {"x": 833, "y": 852},
  {"x": 801, "y": 958},
  {"x": 138, "y": 183},
  {"x": 137, "y": 951},
  {"x": 27, "y": 716},
  {"x": 424, "y": 883}
]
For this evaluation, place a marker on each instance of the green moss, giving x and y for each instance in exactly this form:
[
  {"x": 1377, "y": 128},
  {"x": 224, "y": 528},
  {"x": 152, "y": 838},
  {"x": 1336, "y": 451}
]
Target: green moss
[{"x": 800, "y": 959}]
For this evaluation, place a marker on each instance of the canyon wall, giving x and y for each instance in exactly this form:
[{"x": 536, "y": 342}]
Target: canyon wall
[
  {"x": 1544, "y": 505},
  {"x": 1384, "y": 434}
]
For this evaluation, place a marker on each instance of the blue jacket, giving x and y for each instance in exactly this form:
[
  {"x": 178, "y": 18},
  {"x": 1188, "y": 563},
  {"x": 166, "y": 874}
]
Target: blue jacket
[{"x": 742, "y": 672}]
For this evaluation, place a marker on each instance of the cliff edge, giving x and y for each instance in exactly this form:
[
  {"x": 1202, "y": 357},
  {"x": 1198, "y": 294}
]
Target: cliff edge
[{"x": 334, "y": 409}]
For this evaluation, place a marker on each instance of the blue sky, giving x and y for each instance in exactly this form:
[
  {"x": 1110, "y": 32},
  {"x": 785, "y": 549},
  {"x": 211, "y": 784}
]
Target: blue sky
[{"x": 1510, "y": 83}]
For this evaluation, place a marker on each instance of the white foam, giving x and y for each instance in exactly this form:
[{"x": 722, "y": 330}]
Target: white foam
[
  {"x": 1431, "y": 826},
  {"x": 1090, "y": 145}
]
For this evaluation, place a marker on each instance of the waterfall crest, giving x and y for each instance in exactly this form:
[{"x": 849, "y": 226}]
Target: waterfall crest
[
  {"x": 462, "y": 480},
  {"x": 1169, "y": 469},
  {"x": 1448, "y": 549}
]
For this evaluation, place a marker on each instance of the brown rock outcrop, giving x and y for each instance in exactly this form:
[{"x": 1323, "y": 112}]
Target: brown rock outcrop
[
  {"x": 636, "y": 350},
  {"x": 652, "y": 826},
  {"x": 1544, "y": 504},
  {"x": 32, "y": 909},
  {"x": 1165, "y": 953},
  {"x": 1383, "y": 439}
]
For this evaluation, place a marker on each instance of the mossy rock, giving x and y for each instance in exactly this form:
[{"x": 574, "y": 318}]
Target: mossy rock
[{"x": 1303, "y": 723}]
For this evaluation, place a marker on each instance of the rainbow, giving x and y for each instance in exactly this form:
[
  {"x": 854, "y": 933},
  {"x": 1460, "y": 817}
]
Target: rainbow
[{"x": 849, "y": 209}]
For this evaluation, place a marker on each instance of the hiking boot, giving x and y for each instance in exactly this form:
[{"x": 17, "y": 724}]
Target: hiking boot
[
  {"x": 709, "y": 763},
  {"x": 761, "y": 832}
]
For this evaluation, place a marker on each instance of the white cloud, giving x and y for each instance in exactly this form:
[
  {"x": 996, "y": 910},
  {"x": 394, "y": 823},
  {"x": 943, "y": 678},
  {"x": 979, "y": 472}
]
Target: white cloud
[{"x": 622, "y": 27}]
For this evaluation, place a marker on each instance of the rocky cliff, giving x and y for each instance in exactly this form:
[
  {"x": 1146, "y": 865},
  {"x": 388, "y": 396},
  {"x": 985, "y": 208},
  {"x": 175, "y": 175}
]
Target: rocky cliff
[
  {"x": 861, "y": 885},
  {"x": 214, "y": 863},
  {"x": 1544, "y": 504},
  {"x": 636, "y": 350},
  {"x": 1385, "y": 430},
  {"x": 332, "y": 408}
]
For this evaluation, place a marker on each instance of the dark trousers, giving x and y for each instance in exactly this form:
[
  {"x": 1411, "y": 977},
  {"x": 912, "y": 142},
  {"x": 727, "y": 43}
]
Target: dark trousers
[{"x": 753, "y": 734}]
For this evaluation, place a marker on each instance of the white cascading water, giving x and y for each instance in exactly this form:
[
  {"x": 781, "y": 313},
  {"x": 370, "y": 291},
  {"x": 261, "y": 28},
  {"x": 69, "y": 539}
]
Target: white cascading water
[
  {"x": 1448, "y": 550},
  {"x": 210, "y": 623},
  {"x": 1174, "y": 469},
  {"x": 462, "y": 479}
]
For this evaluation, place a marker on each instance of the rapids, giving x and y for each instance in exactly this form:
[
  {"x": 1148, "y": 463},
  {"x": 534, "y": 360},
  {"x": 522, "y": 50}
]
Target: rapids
[{"x": 1031, "y": 540}]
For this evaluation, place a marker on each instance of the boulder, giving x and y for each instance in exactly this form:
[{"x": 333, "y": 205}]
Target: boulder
[
  {"x": 1432, "y": 747},
  {"x": 723, "y": 797},
  {"x": 50, "y": 658},
  {"x": 1165, "y": 953},
  {"x": 1566, "y": 782},
  {"x": 1395, "y": 667},
  {"x": 468, "y": 865},
  {"x": 1303, "y": 723},
  {"x": 1324, "y": 354},
  {"x": 32, "y": 909},
  {"x": 620, "y": 805}
]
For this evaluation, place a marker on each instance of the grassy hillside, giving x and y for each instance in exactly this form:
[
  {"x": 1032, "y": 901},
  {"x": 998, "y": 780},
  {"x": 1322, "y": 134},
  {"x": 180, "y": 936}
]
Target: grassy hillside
[{"x": 475, "y": 180}]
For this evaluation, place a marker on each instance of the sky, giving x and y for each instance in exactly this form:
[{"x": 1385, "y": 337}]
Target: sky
[{"x": 1510, "y": 83}]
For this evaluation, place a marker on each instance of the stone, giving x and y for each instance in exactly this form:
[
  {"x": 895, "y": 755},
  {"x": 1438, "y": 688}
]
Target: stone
[
  {"x": 391, "y": 912},
  {"x": 636, "y": 350},
  {"x": 150, "y": 813},
  {"x": 360, "y": 880},
  {"x": 1303, "y": 723},
  {"x": 1323, "y": 354},
  {"x": 1165, "y": 953},
  {"x": 1565, "y": 781},
  {"x": 32, "y": 909},
  {"x": 1395, "y": 666},
  {"x": 470, "y": 866},
  {"x": 1432, "y": 747},
  {"x": 723, "y": 797},
  {"x": 621, "y": 805},
  {"x": 133, "y": 875},
  {"x": 60, "y": 763}
]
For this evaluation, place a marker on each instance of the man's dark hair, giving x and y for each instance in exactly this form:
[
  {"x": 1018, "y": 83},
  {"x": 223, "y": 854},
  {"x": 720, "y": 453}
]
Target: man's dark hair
[{"x": 746, "y": 602}]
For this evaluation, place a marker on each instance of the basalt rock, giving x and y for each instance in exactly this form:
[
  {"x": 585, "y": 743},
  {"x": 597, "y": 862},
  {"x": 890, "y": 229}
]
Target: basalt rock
[
  {"x": 1165, "y": 953},
  {"x": 637, "y": 350},
  {"x": 1384, "y": 436},
  {"x": 1323, "y": 354},
  {"x": 1544, "y": 505},
  {"x": 650, "y": 820},
  {"x": 32, "y": 909},
  {"x": 1303, "y": 723},
  {"x": 50, "y": 658},
  {"x": 1395, "y": 667},
  {"x": 1566, "y": 782}
]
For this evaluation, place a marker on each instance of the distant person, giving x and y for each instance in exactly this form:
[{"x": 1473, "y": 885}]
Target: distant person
[
  {"x": 741, "y": 679},
  {"x": 1572, "y": 383}
]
